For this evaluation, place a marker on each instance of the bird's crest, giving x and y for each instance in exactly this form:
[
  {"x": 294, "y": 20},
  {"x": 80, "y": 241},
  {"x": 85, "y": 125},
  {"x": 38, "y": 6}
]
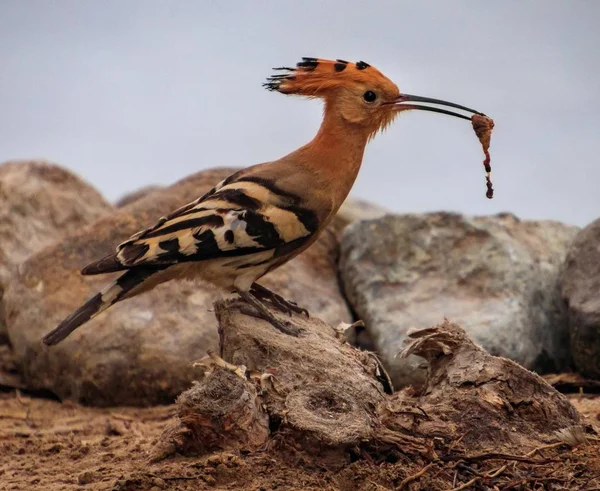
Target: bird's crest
[{"x": 314, "y": 76}]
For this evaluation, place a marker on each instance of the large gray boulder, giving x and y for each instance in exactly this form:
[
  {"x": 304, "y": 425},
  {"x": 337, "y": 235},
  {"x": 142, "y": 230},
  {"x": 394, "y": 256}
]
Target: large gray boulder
[
  {"x": 496, "y": 276},
  {"x": 40, "y": 203},
  {"x": 139, "y": 351},
  {"x": 580, "y": 288}
]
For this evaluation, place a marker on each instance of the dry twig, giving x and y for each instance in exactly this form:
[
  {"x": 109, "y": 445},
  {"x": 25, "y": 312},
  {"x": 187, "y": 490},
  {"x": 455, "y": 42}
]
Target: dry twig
[
  {"x": 416, "y": 476},
  {"x": 494, "y": 456}
]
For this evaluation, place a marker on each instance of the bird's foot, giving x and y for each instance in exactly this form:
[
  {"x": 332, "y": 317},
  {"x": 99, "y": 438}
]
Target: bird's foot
[
  {"x": 280, "y": 303},
  {"x": 261, "y": 312}
]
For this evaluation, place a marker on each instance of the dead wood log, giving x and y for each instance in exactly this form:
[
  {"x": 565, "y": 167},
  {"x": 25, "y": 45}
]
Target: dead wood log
[
  {"x": 319, "y": 392},
  {"x": 489, "y": 402},
  {"x": 323, "y": 401}
]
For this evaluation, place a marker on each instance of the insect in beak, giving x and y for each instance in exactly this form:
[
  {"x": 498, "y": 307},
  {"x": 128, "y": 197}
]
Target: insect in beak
[{"x": 405, "y": 102}]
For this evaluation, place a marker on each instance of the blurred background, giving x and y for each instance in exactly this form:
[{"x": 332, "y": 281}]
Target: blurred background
[{"x": 131, "y": 93}]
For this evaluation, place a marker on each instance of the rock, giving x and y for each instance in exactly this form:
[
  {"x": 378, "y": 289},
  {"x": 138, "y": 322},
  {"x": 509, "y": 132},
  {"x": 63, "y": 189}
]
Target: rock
[
  {"x": 136, "y": 195},
  {"x": 140, "y": 351},
  {"x": 580, "y": 289},
  {"x": 9, "y": 369},
  {"x": 40, "y": 202},
  {"x": 354, "y": 210},
  {"x": 496, "y": 276}
]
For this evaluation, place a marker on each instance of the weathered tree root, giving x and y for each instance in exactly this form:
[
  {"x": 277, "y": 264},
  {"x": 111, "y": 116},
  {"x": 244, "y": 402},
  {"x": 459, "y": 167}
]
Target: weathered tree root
[
  {"x": 318, "y": 399},
  {"x": 489, "y": 401},
  {"x": 221, "y": 412}
]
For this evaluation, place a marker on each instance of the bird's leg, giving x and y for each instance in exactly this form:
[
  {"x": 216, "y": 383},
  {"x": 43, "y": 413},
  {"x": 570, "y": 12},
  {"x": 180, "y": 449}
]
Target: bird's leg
[
  {"x": 263, "y": 313},
  {"x": 278, "y": 301}
]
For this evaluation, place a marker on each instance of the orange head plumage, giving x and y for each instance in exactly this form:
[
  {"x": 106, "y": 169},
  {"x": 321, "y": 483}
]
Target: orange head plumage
[
  {"x": 358, "y": 92},
  {"x": 315, "y": 77}
]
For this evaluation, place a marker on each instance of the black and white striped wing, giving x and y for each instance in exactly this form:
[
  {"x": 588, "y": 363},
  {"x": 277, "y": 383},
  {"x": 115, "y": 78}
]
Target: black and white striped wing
[{"x": 246, "y": 216}]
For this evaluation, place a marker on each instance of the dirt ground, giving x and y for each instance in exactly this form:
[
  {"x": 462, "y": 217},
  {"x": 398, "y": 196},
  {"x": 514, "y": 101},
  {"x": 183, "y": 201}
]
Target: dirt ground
[{"x": 49, "y": 445}]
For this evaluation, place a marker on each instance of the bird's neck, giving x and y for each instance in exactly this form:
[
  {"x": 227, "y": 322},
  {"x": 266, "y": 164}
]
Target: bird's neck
[{"x": 335, "y": 154}]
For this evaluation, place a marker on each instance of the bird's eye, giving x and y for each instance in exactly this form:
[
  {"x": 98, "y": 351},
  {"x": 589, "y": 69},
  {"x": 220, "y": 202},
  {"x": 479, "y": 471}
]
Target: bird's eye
[{"x": 369, "y": 96}]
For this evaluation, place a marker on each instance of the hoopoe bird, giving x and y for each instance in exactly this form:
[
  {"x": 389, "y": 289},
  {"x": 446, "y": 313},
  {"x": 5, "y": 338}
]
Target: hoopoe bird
[{"x": 264, "y": 215}]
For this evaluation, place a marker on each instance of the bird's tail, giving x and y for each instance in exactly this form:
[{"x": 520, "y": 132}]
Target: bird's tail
[{"x": 127, "y": 285}]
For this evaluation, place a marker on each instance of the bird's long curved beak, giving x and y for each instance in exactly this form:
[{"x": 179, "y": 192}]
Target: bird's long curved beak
[{"x": 406, "y": 102}]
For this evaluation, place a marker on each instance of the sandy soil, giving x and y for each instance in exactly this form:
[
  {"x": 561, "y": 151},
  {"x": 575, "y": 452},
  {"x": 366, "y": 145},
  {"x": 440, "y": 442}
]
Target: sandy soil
[{"x": 50, "y": 445}]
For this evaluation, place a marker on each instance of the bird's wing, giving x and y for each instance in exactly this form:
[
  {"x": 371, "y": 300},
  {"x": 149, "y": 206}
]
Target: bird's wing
[{"x": 241, "y": 215}]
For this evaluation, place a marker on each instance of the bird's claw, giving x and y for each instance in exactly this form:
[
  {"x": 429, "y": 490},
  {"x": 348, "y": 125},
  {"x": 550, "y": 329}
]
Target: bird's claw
[
  {"x": 260, "y": 311},
  {"x": 287, "y": 328},
  {"x": 280, "y": 303}
]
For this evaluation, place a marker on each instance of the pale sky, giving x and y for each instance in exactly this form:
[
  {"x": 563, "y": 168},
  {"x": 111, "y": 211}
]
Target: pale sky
[{"x": 128, "y": 93}]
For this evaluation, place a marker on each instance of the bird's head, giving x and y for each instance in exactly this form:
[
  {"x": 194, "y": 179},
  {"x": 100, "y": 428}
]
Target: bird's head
[{"x": 360, "y": 93}]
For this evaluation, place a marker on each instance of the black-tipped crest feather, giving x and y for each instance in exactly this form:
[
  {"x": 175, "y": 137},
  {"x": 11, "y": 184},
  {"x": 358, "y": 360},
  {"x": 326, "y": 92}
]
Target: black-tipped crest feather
[{"x": 313, "y": 77}]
